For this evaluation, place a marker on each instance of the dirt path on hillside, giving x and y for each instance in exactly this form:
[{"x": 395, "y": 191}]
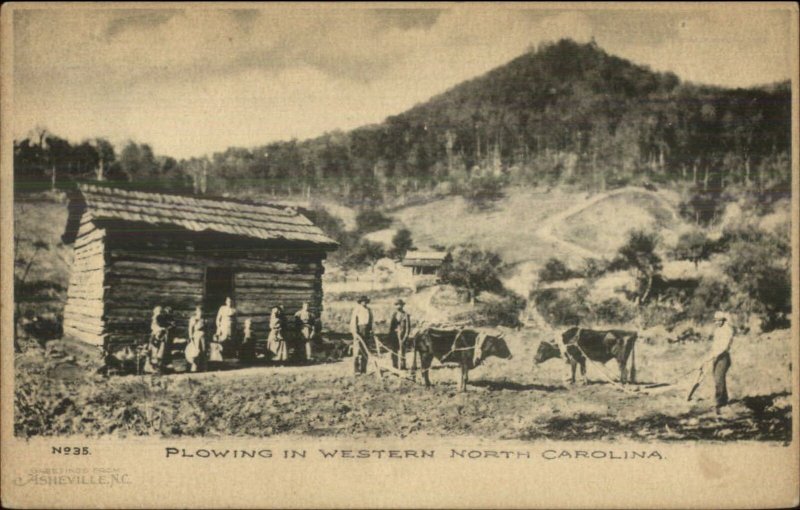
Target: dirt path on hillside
[{"x": 546, "y": 231}]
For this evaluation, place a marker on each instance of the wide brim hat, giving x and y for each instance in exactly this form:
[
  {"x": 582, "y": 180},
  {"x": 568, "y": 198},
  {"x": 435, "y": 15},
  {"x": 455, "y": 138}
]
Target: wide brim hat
[
  {"x": 363, "y": 299},
  {"x": 399, "y": 302}
]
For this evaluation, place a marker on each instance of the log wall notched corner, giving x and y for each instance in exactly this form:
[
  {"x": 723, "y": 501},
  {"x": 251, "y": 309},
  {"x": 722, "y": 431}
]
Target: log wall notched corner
[{"x": 84, "y": 308}]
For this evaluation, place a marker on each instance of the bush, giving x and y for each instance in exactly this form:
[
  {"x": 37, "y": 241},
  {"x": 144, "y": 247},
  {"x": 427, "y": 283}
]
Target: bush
[
  {"x": 482, "y": 190},
  {"x": 639, "y": 253},
  {"x": 561, "y": 307},
  {"x": 694, "y": 246},
  {"x": 365, "y": 253},
  {"x": 401, "y": 243},
  {"x": 710, "y": 296},
  {"x": 371, "y": 220},
  {"x": 674, "y": 291},
  {"x": 703, "y": 208},
  {"x": 333, "y": 226},
  {"x": 504, "y": 311},
  {"x": 658, "y": 314},
  {"x": 595, "y": 268},
  {"x": 614, "y": 311},
  {"x": 761, "y": 275},
  {"x": 554, "y": 270},
  {"x": 473, "y": 269}
]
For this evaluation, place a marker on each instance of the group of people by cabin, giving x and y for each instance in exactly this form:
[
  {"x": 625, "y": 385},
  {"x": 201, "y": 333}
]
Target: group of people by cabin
[
  {"x": 203, "y": 349},
  {"x": 226, "y": 343}
]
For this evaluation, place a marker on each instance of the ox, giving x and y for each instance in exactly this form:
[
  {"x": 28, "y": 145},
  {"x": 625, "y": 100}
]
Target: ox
[
  {"x": 599, "y": 346},
  {"x": 467, "y": 347}
]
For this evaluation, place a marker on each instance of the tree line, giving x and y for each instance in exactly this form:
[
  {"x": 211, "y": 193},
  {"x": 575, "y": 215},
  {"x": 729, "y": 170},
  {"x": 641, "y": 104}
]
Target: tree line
[{"x": 563, "y": 113}]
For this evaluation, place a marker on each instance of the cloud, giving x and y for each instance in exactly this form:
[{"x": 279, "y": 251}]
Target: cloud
[
  {"x": 137, "y": 20},
  {"x": 198, "y": 80},
  {"x": 406, "y": 19},
  {"x": 734, "y": 47}
]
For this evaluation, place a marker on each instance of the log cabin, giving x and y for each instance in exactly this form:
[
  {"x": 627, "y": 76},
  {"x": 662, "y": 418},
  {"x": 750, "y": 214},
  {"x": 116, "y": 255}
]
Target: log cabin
[{"x": 135, "y": 250}]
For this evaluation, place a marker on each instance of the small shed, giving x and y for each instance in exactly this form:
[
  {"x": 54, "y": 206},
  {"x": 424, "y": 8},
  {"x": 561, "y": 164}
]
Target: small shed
[
  {"x": 424, "y": 262},
  {"x": 136, "y": 250}
]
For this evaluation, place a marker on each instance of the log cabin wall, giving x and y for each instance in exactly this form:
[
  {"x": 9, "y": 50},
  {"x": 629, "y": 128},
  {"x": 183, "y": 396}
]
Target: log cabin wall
[
  {"x": 169, "y": 269},
  {"x": 84, "y": 311},
  {"x": 136, "y": 250}
]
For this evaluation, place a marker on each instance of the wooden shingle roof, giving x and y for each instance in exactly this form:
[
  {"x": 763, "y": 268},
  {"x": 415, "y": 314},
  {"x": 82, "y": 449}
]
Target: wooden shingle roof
[
  {"x": 424, "y": 258},
  {"x": 250, "y": 220}
]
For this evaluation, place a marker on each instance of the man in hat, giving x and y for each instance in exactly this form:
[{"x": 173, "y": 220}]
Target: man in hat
[
  {"x": 719, "y": 357},
  {"x": 399, "y": 329},
  {"x": 361, "y": 329}
]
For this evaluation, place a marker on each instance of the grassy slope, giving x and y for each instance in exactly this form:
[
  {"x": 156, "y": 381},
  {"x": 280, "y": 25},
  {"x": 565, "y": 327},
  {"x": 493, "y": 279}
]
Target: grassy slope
[
  {"x": 508, "y": 228},
  {"x": 513, "y": 226},
  {"x": 602, "y": 228},
  {"x": 42, "y": 218}
]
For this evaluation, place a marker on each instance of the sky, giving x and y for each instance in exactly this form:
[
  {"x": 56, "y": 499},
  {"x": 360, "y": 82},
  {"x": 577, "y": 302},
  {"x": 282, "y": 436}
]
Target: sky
[{"x": 195, "y": 81}]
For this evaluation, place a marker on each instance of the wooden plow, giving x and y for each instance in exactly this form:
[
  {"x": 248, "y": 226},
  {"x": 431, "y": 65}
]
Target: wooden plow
[{"x": 381, "y": 360}]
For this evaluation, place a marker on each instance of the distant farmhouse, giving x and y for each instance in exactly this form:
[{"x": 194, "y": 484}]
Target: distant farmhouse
[
  {"x": 136, "y": 250},
  {"x": 424, "y": 262}
]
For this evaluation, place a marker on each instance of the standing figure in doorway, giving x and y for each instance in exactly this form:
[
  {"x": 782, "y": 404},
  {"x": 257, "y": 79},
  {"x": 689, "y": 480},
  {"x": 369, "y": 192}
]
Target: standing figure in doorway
[
  {"x": 305, "y": 321},
  {"x": 276, "y": 342},
  {"x": 247, "y": 348},
  {"x": 226, "y": 326},
  {"x": 361, "y": 329}
]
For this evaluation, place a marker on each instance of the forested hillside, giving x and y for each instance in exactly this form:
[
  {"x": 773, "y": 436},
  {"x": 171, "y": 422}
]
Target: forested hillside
[{"x": 563, "y": 113}]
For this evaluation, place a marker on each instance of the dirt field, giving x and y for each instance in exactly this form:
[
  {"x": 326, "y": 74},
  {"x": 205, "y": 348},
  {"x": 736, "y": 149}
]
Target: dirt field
[{"x": 57, "y": 394}]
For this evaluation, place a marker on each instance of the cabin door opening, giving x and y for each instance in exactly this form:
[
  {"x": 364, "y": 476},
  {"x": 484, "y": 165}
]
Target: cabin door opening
[{"x": 218, "y": 286}]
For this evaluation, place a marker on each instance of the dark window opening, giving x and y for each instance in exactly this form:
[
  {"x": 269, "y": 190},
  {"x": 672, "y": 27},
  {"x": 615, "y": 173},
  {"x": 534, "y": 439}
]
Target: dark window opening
[
  {"x": 424, "y": 270},
  {"x": 219, "y": 285}
]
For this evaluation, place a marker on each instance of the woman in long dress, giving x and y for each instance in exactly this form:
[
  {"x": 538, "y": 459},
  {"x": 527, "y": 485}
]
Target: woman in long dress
[
  {"x": 276, "y": 342},
  {"x": 196, "y": 349},
  {"x": 161, "y": 338}
]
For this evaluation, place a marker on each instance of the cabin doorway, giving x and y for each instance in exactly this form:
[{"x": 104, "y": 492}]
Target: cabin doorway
[{"x": 219, "y": 285}]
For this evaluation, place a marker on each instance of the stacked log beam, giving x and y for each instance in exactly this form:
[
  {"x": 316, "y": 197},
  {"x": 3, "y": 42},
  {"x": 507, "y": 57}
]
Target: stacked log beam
[{"x": 85, "y": 307}]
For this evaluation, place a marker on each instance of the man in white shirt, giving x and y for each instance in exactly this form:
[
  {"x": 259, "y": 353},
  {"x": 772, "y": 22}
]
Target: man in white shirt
[{"x": 719, "y": 356}]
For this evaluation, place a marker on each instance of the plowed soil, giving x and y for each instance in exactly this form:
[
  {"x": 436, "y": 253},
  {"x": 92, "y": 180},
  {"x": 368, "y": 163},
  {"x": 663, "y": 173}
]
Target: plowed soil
[{"x": 59, "y": 393}]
